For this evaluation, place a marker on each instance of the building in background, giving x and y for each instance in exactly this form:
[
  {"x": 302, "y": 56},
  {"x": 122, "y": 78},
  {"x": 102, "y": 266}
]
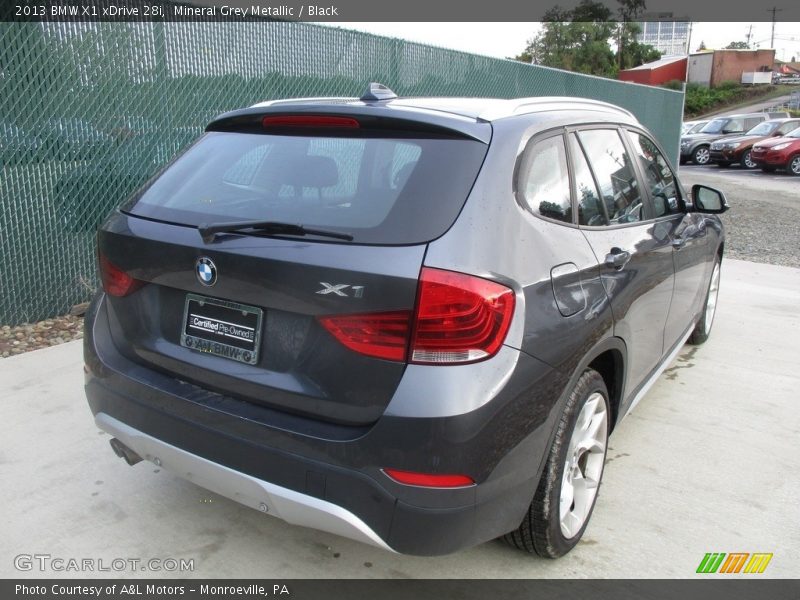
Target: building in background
[
  {"x": 666, "y": 34},
  {"x": 671, "y": 68},
  {"x": 712, "y": 68}
]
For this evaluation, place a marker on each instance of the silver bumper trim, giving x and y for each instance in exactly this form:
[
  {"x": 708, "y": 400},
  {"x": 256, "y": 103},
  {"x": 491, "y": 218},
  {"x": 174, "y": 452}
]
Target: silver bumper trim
[{"x": 288, "y": 505}]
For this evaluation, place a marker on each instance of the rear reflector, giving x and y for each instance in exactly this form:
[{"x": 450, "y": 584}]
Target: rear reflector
[
  {"x": 318, "y": 121},
  {"x": 429, "y": 480},
  {"x": 116, "y": 282},
  {"x": 460, "y": 318},
  {"x": 381, "y": 335}
]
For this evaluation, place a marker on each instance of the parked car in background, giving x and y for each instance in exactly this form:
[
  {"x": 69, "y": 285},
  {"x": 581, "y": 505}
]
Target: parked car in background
[
  {"x": 692, "y": 127},
  {"x": 67, "y": 138},
  {"x": 17, "y": 145},
  {"x": 412, "y": 322},
  {"x": 779, "y": 153},
  {"x": 695, "y": 147},
  {"x": 737, "y": 149}
]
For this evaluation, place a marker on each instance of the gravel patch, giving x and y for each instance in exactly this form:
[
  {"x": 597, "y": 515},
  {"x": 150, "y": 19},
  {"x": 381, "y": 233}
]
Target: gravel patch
[
  {"x": 763, "y": 223},
  {"x": 34, "y": 336},
  {"x": 759, "y": 231}
]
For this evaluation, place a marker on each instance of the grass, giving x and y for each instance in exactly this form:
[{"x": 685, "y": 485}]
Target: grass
[{"x": 728, "y": 95}]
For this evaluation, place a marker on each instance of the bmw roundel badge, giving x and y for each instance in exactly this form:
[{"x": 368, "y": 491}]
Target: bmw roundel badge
[{"x": 206, "y": 271}]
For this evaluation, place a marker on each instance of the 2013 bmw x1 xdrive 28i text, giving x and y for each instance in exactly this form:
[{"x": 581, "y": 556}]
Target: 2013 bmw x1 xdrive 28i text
[{"x": 411, "y": 322}]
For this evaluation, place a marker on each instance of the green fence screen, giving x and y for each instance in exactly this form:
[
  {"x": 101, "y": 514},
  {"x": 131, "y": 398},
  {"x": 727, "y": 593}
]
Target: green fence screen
[{"x": 89, "y": 111}]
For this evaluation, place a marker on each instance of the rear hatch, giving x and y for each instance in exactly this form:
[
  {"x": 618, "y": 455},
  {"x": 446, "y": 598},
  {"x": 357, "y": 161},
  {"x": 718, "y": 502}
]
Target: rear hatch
[{"x": 264, "y": 312}]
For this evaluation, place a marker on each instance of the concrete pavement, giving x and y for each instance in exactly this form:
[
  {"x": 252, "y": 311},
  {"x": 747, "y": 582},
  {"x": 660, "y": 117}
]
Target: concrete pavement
[{"x": 707, "y": 462}]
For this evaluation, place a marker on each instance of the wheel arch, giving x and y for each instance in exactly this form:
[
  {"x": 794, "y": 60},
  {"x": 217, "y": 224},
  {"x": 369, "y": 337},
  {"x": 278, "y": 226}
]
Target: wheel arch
[{"x": 609, "y": 359}]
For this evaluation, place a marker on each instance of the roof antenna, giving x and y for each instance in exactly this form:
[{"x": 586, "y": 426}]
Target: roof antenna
[{"x": 377, "y": 91}]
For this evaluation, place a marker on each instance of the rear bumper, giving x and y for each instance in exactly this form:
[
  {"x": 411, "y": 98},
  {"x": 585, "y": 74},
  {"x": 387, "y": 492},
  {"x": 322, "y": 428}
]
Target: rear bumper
[
  {"x": 286, "y": 504},
  {"x": 330, "y": 477}
]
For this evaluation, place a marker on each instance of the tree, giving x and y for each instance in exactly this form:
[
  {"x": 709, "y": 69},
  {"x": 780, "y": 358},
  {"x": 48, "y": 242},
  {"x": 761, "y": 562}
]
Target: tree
[
  {"x": 737, "y": 46},
  {"x": 578, "y": 39},
  {"x": 627, "y": 29},
  {"x": 575, "y": 40},
  {"x": 701, "y": 47}
]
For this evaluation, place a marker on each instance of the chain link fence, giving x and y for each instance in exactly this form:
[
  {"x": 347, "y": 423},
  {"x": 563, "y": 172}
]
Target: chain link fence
[{"x": 89, "y": 111}]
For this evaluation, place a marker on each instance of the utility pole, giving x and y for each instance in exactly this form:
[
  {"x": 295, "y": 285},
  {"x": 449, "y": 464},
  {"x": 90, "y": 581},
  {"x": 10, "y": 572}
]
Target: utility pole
[
  {"x": 773, "y": 10},
  {"x": 749, "y": 34}
]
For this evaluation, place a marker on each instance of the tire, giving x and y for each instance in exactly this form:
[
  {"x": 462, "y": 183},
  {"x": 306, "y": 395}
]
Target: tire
[
  {"x": 703, "y": 328},
  {"x": 746, "y": 162},
  {"x": 793, "y": 166},
  {"x": 768, "y": 169},
  {"x": 578, "y": 453},
  {"x": 701, "y": 155}
]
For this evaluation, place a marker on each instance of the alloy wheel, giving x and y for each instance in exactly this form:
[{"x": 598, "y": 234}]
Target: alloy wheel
[
  {"x": 702, "y": 156},
  {"x": 583, "y": 467},
  {"x": 794, "y": 165},
  {"x": 747, "y": 160},
  {"x": 711, "y": 303}
]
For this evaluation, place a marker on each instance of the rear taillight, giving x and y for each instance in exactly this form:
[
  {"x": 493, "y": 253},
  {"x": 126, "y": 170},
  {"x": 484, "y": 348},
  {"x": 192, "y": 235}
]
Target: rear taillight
[
  {"x": 429, "y": 479},
  {"x": 382, "y": 335},
  {"x": 116, "y": 282},
  {"x": 459, "y": 319}
]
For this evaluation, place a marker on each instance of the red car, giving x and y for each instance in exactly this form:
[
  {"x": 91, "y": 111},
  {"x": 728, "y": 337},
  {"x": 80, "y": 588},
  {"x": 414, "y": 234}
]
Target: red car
[{"x": 782, "y": 152}]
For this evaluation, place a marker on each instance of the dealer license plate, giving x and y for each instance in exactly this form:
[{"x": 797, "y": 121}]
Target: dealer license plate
[{"x": 222, "y": 328}]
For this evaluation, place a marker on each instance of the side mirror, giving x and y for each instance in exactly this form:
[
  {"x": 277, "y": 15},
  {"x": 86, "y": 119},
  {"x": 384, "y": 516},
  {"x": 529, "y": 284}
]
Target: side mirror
[{"x": 708, "y": 200}]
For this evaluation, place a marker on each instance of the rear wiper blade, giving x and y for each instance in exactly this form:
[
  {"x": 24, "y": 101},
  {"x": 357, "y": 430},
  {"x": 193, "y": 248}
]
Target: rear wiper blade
[{"x": 209, "y": 232}]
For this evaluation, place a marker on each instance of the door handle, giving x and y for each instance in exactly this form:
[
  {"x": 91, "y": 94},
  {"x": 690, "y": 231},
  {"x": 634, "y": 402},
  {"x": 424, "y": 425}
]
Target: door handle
[
  {"x": 678, "y": 243},
  {"x": 617, "y": 258}
]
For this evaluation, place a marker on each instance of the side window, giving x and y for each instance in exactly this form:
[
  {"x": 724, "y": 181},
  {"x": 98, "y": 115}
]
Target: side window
[
  {"x": 543, "y": 180},
  {"x": 750, "y": 123},
  {"x": 788, "y": 127},
  {"x": 615, "y": 175},
  {"x": 590, "y": 209},
  {"x": 734, "y": 125},
  {"x": 658, "y": 177}
]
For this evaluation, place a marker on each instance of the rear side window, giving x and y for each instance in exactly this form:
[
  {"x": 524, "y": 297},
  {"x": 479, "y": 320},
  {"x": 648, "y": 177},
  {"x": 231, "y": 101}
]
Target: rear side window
[
  {"x": 614, "y": 174},
  {"x": 543, "y": 184},
  {"x": 379, "y": 190}
]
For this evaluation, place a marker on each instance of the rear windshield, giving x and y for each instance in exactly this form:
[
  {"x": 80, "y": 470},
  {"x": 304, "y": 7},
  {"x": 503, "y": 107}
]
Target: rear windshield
[{"x": 379, "y": 190}]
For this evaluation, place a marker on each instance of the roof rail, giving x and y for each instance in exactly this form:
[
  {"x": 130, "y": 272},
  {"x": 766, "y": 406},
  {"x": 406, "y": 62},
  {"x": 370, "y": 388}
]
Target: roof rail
[
  {"x": 303, "y": 100},
  {"x": 520, "y": 106}
]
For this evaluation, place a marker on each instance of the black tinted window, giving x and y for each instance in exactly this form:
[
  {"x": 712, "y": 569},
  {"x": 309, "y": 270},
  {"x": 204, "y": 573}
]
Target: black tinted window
[
  {"x": 614, "y": 173},
  {"x": 658, "y": 177},
  {"x": 544, "y": 180},
  {"x": 380, "y": 190}
]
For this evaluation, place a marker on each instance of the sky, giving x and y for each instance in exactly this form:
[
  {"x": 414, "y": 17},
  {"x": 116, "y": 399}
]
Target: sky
[{"x": 505, "y": 40}]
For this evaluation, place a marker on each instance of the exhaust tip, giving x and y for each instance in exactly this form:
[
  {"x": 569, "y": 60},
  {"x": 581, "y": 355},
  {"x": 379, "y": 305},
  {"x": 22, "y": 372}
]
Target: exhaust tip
[{"x": 124, "y": 452}]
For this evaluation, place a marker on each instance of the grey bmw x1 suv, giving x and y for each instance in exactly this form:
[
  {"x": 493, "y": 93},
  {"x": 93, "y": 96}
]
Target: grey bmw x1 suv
[{"x": 411, "y": 322}]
